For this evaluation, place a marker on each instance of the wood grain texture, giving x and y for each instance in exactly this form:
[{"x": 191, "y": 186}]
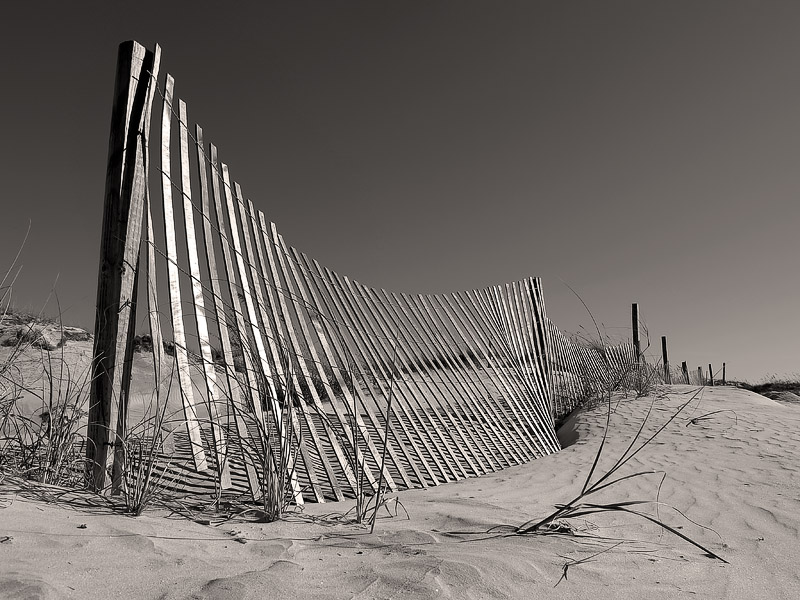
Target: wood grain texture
[
  {"x": 266, "y": 370},
  {"x": 387, "y": 344},
  {"x": 123, "y": 213},
  {"x": 207, "y": 362},
  {"x": 312, "y": 331},
  {"x": 276, "y": 340},
  {"x": 280, "y": 302},
  {"x": 173, "y": 275},
  {"x": 231, "y": 389},
  {"x": 477, "y": 379}
]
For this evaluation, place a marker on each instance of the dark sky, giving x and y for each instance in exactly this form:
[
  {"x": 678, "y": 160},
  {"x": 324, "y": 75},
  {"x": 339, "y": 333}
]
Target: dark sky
[{"x": 640, "y": 151}]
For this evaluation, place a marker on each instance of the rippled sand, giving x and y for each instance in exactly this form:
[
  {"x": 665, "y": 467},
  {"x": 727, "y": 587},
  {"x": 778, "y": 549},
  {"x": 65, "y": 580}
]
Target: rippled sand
[{"x": 734, "y": 474}]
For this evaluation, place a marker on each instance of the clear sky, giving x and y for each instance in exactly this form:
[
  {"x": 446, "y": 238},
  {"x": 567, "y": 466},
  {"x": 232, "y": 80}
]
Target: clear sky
[{"x": 640, "y": 151}]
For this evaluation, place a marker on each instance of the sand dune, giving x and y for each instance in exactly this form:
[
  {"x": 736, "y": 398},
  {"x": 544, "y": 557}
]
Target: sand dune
[{"x": 734, "y": 474}]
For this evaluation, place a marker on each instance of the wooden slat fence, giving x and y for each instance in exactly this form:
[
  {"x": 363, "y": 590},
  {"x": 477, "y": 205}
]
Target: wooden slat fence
[
  {"x": 275, "y": 363},
  {"x": 276, "y": 368},
  {"x": 581, "y": 371}
]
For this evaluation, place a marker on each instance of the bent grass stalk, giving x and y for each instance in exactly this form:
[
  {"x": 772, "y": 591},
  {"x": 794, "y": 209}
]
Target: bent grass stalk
[{"x": 579, "y": 507}]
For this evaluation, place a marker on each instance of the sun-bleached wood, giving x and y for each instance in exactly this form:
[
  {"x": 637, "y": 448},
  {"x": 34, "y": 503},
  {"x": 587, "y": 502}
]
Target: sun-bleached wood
[
  {"x": 274, "y": 260},
  {"x": 387, "y": 340},
  {"x": 255, "y": 330},
  {"x": 476, "y": 380},
  {"x": 314, "y": 363},
  {"x": 209, "y": 372},
  {"x": 173, "y": 273},
  {"x": 276, "y": 338},
  {"x": 231, "y": 384}
]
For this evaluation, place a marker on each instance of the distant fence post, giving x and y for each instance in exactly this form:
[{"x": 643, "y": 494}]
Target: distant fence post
[
  {"x": 700, "y": 378},
  {"x": 667, "y": 375},
  {"x": 635, "y": 329},
  {"x": 123, "y": 212},
  {"x": 685, "y": 370},
  {"x": 710, "y": 375},
  {"x": 723, "y": 374}
]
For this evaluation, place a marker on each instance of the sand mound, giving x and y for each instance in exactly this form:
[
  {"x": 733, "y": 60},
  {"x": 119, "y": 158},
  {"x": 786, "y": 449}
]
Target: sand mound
[{"x": 731, "y": 468}]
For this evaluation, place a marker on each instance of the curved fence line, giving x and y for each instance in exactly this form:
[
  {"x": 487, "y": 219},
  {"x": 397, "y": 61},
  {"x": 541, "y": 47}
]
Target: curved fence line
[
  {"x": 286, "y": 377},
  {"x": 582, "y": 372}
]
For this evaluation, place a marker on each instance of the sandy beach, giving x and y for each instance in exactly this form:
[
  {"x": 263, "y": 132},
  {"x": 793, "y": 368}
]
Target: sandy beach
[{"x": 733, "y": 475}]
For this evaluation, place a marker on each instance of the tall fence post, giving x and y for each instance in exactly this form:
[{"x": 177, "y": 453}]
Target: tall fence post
[
  {"x": 710, "y": 375},
  {"x": 700, "y": 378},
  {"x": 635, "y": 329},
  {"x": 723, "y": 374},
  {"x": 685, "y": 370},
  {"x": 123, "y": 212},
  {"x": 667, "y": 375},
  {"x": 637, "y": 349}
]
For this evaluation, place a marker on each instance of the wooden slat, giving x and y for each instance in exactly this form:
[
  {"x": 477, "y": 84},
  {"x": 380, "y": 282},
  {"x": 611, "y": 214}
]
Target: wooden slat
[
  {"x": 266, "y": 370},
  {"x": 274, "y": 259},
  {"x": 209, "y": 373},
  {"x": 408, "y": 415},
  {"x": 311, "y": 363},
  {"x": 448, "y": 457},
  {"x": 333, "y": 309},
  {"x": 447, "y": 391},
  {"x": 152, "y": 307},
  {"x": 154, "y": 318},
  {"x": 275, "y": 337},
  {"x": 495, "y": 424},
  {"x": 380, "y": 349},
  {"x": 517, "y": 438},
  {"x": 522, "y": 402},
  {"x": 463, "y": 380},
  {"x": 173, "y": 273},
  {"x": 347, "y": 311},
  {"x": 231, "y": 384}
]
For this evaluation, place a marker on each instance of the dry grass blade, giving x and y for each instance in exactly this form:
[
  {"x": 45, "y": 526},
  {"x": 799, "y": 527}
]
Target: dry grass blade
[
  {"x": 589, "y": 508},
  {"x": 705, "y": 417},
  {"x": 577, "y": 507},
  {"x": 572, "y": 563}
]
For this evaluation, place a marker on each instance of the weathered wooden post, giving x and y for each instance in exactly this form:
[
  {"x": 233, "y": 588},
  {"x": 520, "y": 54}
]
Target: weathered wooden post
[
  {"x": 123, "y": 212},
  {"x": 635, "y": 328},
  {"x": 710, "y": 375},
  {"x": 723, "y": 373},
  {"x": 667, "y": 375},
  {"x": 700, "y": 378},
  {"x": 637, "y": 349},
  {"x": 685, "y": 370}
]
